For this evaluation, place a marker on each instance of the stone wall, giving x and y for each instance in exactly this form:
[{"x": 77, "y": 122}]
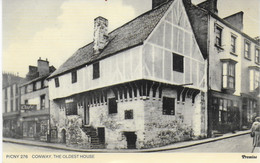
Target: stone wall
[{"x": 162, "y": 129}]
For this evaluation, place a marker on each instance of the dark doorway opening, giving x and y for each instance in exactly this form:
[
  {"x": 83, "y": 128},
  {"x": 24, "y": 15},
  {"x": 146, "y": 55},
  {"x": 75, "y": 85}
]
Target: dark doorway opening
[
  {"x": 63, "y": 136},
  {"x": 131, "y": 140},
  {"x": 101, "y": 135}
]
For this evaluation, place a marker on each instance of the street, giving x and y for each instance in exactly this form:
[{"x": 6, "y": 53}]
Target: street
[
  {"x": 11, "y": 147},
  {"x": 239, "y": 144}
]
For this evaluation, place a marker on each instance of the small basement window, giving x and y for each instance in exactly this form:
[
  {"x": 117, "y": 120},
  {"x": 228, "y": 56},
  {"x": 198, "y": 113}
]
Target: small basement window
[
  {"x": 177, "y": 62},
  {"x": 112, "y": 106},
  {"x": 168, "y": 106},
  {"x": 129, "y": 114}
]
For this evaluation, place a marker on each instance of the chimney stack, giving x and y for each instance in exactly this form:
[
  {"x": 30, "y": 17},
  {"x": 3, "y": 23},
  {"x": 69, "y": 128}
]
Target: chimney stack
[
  {"x": 100, "y": 34},
  {"x": 43, "y": 67},
  {"x": 210, "y": 5}
]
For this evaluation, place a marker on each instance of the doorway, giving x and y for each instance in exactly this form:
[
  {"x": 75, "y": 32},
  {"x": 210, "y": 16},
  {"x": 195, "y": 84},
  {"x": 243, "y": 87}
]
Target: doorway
[
  {"x": 63, "y": 136},
  {"x": 101, "y": 135},
  {"x": 131, "y": 140}
]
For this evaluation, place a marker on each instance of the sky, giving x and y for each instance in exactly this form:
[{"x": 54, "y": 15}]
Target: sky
[{"x": 55, "y": 29}]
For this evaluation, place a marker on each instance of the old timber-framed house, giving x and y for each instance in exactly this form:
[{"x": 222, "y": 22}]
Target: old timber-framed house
[{"x": 142, "y": 85}]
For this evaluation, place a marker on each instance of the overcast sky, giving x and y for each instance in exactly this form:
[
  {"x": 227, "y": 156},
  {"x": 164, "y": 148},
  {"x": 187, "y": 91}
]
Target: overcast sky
[{"x": 55, "y": 29}]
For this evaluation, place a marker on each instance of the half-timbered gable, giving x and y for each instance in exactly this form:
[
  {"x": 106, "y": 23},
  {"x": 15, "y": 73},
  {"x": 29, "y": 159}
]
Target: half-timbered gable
[{"x": 171, "y": 53}]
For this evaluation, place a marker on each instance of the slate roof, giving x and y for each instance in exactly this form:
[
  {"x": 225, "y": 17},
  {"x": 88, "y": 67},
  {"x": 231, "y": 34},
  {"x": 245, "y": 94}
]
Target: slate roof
[{"x": 127, "y": 36}]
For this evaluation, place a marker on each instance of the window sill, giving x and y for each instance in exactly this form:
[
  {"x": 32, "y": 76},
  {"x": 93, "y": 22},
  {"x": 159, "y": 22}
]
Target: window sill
[
  {"x": 228, "y": 90},
  {"x": 219, "y": 47},
  {"x": 233, "y": 54},
  {"x": 248, "y": 58},
  {"x": 258, "y": 63}
]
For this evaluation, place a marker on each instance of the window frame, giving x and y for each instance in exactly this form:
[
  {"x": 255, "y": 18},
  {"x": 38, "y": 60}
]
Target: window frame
[
  {"x": 218, "y": 35},
  {"x": 129, "y": 114},
  {"x": 247, "y": 52},
  {"x": 228, "y": 74},
  {"x": 96, "y": 70},
  {"x": 42, "y": 103},
  {"x": 71, "y": 108},
  {"x": 257, "y": 58},
  {"x": 177, "y": 63},
  {"x": 111, "y": 104},
  {"x": 74, "y": 77},
  {"x": 57, "y": 82},
  {"x": 233, "y": 44},
  {"x": 165, "y": 108}
]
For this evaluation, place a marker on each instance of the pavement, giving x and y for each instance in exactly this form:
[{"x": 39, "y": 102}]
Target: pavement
[{"x": 174, "y": 146}]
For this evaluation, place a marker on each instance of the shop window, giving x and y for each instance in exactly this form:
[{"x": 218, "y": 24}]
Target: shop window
[
  {"x": 96, "y": 72},
  {"x": 12, "y": 91},
  {"x": 218, "y": 33},
  {"x": 233, "y": 44},
  {"x": 168, "y": 106},
  {"x": 257, "y": 56},
  {"x": 16, "y": 89},
  {"x": 6, "y": 93},
  {"x": 129, "y": 114},
  {"x": 42, "y": 102},
  {"x": 42, "y": 84},
  {"x": 73, "y": 76},
  {"x": 177, "y": 62},
  {"x": 228, "y": 74},
  {"x": 12, "y": 105},
  {"x": 17, "y": 104},
  {"x": 71, "y": 108},
  {"x": 34, "y": 86},
  {"x": 6, "y": 106},
  {"x": 247, "y": 50},
  {"x": 57, "y": 83},
  {"x": 112, "y": 106}
]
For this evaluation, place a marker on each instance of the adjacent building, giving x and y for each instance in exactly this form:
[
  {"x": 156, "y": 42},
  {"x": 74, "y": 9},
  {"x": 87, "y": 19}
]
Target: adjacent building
[
  {"x": 11, "y": 105},
  {"x": 142, "y": 85},
  {"x": 233, "y": 67},
  {"x": 35, "y": 108}
]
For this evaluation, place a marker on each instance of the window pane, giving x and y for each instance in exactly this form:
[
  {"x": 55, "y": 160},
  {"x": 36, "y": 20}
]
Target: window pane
[
  {"x": 177, "y": 62},
  {"x": 224, "y": 81},
  {"x": 168, "y": 106},
  {"x": 224, "y": 68},
  {"x": 112, "y": 106}
]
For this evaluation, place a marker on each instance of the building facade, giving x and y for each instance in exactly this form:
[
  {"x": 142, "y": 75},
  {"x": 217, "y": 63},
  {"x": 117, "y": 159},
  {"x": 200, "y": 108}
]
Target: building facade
[
  {"x": 35, "y": 110},
  {"x": 233, "y": 67},
  {"x": 143, "y": 85},
  {"x": 11, "y": 105}
]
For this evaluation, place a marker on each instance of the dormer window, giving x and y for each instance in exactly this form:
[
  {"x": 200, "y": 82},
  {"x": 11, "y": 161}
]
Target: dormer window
[{"x": 228, "y": 75}]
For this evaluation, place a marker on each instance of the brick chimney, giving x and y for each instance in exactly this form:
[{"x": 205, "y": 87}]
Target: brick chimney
[
  {"x": 100, "y": 34},
  {"x": 43, "y": 67},
  {"x": 210, "y": 5},
  {"x": 236, "y": 20},
  {"x": 156, "y": 3}
]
